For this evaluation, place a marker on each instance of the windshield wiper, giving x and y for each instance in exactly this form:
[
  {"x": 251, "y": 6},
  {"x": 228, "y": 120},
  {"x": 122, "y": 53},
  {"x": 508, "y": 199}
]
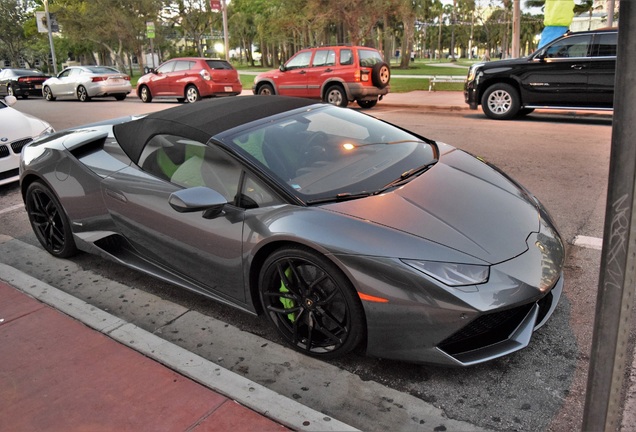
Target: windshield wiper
[
  {"x": 340, "y": 197},
  {"x": 406, "y": 176}
]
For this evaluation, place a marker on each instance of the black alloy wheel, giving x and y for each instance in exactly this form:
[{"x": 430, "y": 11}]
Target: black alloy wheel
[
  {"x": 49, "y": 222},
  {"x": 311, "y": 303}
]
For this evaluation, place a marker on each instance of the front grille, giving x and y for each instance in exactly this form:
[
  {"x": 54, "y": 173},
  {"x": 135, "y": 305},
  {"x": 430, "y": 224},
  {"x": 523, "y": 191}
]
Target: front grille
[
  {"x": 486, "y": 330},
  {"x": 16, "y": 146},
  {"x": 4, "y": 151}
]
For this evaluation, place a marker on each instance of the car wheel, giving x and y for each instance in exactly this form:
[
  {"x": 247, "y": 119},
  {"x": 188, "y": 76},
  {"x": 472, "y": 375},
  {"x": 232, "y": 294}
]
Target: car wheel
[
  {"x": 120, "y": 97},
  {"x": 335, "y": 95},
  {"x": 82, "y": 94},
  {"x": 366, "y": 104},
  {"x": 192, "y": 94},
  {"x": 145, "y": 95},
  {"x": 311, "y": 303},
  {"x": 48, "y": 94},
  {"x": 380, "y": 75},
  {"x": 10, "y": 91},
  {"x": 266, "y": 90},
  {"x": 500, "y": 101},
  {"x": 49, "y": 221}
]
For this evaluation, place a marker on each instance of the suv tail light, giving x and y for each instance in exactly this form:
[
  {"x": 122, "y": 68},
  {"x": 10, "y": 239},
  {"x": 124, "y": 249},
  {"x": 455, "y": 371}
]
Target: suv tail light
[
  {"x": 205, "y": 75},
  {"x": 356, "y": 75}
]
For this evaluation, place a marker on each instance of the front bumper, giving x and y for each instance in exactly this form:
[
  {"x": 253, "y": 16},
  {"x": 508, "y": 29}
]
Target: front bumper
[
  {"x": 471, "y": 96},
  {"x": 425, "y": 321}
]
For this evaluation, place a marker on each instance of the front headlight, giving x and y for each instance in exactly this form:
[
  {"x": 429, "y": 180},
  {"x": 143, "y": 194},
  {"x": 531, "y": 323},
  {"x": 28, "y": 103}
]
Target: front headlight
[
  {"x": 452, "y": 274},
  {"x": 472, "y": 72}
]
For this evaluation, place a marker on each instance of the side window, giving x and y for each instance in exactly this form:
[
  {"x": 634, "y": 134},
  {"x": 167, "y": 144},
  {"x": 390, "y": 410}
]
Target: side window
[
  {"x": 606, "y": 44},
  {"x": 320, "y": 58},
  {"x": 346, "y": 57},
  {"x": 181, "y": 66},
  {"x": 75, "y": 72},
  {"x": 189, "y": 163},
  {"x": 65, "y": 73},
  {"x": 256, "y": 194},
  {"x": 324, "y": 58},
  {"x": 167, "y": 67},
  {"x": 301, "y": 60},
  {"x": 577, "y": 46}
]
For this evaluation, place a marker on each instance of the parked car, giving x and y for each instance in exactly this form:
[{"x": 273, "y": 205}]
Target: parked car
[
  {"x": 575, "y": 71},
  {"x": 16, "y": 130},
  {"x": 190, "y": 79},
  {"x": 336, "y": 74},
  {"x": 21, "y": 82},
  {"x": 86, "y": 82},
  {"x": 346, "y": 231}
]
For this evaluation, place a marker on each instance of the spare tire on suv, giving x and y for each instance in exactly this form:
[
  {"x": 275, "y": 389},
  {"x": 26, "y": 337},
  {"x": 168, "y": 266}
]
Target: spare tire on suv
[{"x": 333, "y": 74}]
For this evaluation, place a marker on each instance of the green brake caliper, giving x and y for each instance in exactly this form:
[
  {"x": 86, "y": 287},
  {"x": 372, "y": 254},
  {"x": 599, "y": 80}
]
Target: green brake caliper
[{"x": 287, "y": 303}]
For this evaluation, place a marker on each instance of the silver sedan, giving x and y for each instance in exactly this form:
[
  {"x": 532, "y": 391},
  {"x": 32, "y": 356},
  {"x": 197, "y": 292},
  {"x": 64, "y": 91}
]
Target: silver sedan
[{"x": 86, "y": 82}]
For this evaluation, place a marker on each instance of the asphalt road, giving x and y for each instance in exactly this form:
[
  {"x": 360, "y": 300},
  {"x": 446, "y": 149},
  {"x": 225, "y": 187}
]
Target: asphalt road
[{"x": 563, "y": 160}]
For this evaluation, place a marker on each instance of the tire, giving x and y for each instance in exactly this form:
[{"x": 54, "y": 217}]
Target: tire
[
  {"x": 48, "y": 94},
  {"x": 120, "y": 97},
  {"x": 311, "y": 303},
  {"x": 336, "y": 95},
  {"x": 192, "y": 94},
  {"x": 145, "y": 95},
  {"x": 266, "y": 90},
  {"x": 500, "y": 101},
  {"x": 82, "y": 94},
  {"x": 10, "y": 91},
  {"x": 380, "y": 75},
  {"x": 49, "y": 221},
  {"x": 367, "y": 104}
]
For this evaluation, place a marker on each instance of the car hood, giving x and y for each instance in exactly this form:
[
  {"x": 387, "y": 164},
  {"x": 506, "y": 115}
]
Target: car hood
[
  {"x": 462, "y": 203},
  {"x": 22, "y": 125}
]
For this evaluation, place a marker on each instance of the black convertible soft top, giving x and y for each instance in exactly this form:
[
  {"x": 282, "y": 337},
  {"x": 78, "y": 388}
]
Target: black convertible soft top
[{"x": 201, "y": 120}]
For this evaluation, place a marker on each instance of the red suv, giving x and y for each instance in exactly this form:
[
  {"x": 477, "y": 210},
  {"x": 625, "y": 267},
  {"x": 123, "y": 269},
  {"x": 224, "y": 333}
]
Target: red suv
[
  {"x": 335, "y": 74},
  {"x": 190, "y": 79}
]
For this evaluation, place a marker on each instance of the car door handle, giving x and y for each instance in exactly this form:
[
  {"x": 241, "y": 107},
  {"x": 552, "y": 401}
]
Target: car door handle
[
  {"x": 328, "y": 70},
  {"x": 577, "y": 66},
  {"x": 116, "y": 195},
  {"x": 302, "y": 72}
]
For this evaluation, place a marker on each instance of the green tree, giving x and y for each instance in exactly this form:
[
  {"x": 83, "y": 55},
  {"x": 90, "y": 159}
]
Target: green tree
[{"x": 13, "y": 39}]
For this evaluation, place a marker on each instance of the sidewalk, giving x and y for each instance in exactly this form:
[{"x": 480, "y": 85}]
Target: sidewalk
[{"x": 58, "y": 374}]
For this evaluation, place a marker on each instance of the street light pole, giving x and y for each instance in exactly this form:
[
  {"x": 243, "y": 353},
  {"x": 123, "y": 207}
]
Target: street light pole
[
  {"x": 48, "y": 27},
  {"x": 225, "y": 36}
]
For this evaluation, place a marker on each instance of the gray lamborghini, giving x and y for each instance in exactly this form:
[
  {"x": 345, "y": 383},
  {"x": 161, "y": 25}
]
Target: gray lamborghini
[{"x": 347, "y": 232}]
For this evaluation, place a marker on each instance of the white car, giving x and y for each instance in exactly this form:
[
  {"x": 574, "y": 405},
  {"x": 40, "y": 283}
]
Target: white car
[
  {"x": 86, "y": 82},
  {"x": 16, "y": 130}
]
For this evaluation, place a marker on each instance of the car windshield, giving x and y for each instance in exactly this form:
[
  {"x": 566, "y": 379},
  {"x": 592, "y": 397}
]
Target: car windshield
[{"x": 330, "y": 153}]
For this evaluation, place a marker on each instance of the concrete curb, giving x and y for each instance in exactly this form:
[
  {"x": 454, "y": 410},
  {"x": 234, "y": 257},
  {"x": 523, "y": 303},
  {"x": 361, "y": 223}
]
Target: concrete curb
[{"x": 248, "y": 393}]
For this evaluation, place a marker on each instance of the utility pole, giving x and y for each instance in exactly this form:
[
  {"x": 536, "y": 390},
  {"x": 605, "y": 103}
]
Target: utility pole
[
  {"x": 48, "y": 27},
  {"x": 516, "y": 28},
  {"x": 225, "y": 36},
  {"x": 617, "y": 280}
]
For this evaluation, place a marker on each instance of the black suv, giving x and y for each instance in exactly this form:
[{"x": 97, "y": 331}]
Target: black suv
[{"x": 575, "y": 71}]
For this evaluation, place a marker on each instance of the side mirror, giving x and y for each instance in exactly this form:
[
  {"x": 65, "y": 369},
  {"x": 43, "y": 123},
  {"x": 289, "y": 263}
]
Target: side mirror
[
  {"x": 10, "y": 100},
  {"x": 196, "y": 199},
  {"x": 282, "y": 68}
]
